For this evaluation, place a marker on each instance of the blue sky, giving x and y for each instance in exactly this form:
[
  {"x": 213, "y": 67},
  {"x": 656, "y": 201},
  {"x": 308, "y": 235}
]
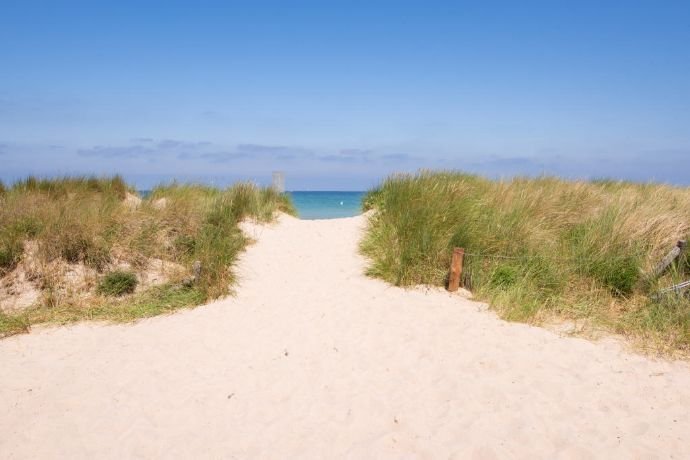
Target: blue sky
[{"x": 340, "y": 94}]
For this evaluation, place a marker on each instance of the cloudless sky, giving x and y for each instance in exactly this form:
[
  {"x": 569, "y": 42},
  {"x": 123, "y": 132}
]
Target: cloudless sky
[{"x": 340, "y": 94}]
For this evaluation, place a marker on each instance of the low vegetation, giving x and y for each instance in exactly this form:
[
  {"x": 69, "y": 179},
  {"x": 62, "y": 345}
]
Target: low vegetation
[
  {"x": 541, "y": 249},
  {"x": 118, "y": 283},
  {"x": 87, "y": 248}
]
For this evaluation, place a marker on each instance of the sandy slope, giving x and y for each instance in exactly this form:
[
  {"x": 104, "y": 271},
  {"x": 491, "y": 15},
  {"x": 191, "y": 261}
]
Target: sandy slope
[{"x": 313, "y": 360}]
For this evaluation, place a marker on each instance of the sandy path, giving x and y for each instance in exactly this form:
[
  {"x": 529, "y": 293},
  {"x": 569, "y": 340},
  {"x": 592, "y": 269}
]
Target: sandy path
[{"x": 313, "y": 360}]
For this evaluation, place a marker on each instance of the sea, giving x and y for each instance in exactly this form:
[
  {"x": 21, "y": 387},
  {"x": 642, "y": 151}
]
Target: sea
[
  {"x": 319, "y": 205},
  {"x": 327, "y": 205}
]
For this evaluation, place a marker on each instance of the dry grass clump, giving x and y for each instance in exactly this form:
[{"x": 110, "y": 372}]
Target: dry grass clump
[
  {"x": 73, "y": 239},
  {"x": 540, "y": 249}
]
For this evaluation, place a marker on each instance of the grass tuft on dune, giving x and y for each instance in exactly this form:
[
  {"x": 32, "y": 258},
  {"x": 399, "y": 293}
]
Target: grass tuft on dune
[
  {"x": 540, "y": 249},
  {"x": 83, "y": 245}
]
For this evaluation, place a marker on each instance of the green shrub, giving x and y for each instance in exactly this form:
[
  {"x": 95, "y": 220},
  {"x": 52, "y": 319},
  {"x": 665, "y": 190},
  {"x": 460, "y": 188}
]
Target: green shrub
[{"x": 118, "y": 283}]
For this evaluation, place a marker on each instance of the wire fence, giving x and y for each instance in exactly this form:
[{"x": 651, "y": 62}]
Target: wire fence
[
  {"x": 677, "y": 289},
  {"x": 578, "y": 258},
  {"x": 528, "y": 257}
]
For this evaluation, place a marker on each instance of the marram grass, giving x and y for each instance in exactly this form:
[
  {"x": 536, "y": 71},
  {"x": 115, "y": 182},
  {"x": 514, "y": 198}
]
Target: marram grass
[
  {"x": 98, "y": 223},
  {"x": 540, "y": 249}
]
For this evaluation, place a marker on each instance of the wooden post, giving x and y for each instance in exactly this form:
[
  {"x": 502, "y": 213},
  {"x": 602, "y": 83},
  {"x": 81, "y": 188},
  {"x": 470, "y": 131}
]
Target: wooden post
[
  {"x": 196, "y": 274},
  {"x": 196, "y": 270},
  {"x": 455, "y": 278},
  {"x": 668, "y": 260}
]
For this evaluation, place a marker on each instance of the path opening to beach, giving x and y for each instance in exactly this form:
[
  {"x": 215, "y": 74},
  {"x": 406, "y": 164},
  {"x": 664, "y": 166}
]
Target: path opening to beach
[
  {"x": 327, "y": 205},
  {"x": 312, "y": 359}
]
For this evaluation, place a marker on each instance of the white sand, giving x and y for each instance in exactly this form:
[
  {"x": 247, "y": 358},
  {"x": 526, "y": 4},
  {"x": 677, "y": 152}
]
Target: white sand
[{"x": 313, "y": 360}]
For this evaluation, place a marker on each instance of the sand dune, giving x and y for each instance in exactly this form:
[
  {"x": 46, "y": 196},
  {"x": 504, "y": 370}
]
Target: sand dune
[{"x": 313, "y": 360}]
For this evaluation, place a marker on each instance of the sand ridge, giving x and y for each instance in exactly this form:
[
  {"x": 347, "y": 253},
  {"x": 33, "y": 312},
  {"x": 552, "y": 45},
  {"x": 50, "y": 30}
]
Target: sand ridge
[{"x": 311, "y": 359}]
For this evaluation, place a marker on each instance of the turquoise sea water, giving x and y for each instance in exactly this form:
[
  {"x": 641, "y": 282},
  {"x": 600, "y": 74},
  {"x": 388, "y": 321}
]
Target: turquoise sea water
[
  {"x": 327, "y": 205},
  {"x": 319, "y": 205}
]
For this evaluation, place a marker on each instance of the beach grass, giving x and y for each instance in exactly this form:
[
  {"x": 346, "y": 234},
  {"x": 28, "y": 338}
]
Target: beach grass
[
  {"x": 99, "y": 231},
  {"x": 154, "y": 301},
  {"x": 13, "y": 324},
  {"x": 541, "y": 249}
]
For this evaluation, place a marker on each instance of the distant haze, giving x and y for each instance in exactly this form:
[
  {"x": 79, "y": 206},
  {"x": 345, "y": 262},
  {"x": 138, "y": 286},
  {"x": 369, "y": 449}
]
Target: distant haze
[{"x": 340, "y": 94}]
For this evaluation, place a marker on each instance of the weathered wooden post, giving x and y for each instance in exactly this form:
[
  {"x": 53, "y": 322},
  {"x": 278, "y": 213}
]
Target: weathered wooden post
[
  {"x": 668, "y": 260},
  {"x": 455, "y": 277},
  {"x": 196, "y": 274},
  {"x": 196, "y": 271}
]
